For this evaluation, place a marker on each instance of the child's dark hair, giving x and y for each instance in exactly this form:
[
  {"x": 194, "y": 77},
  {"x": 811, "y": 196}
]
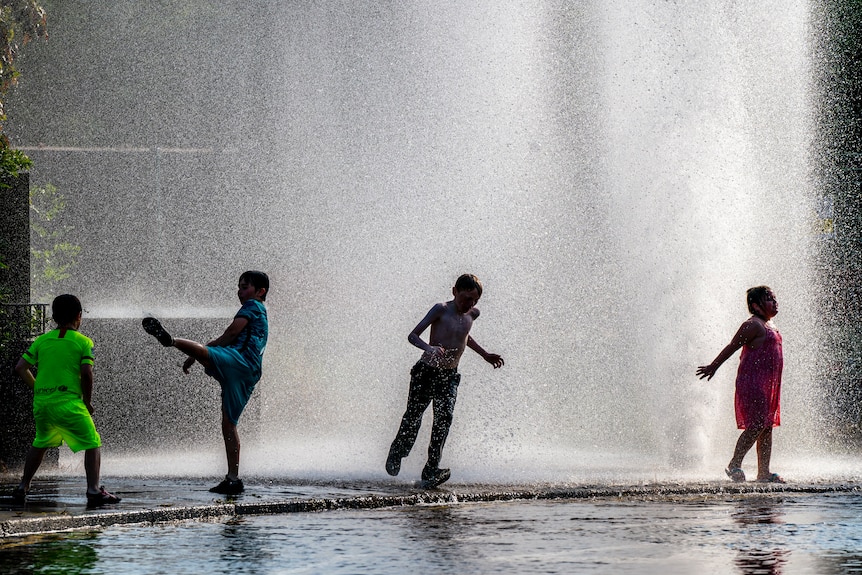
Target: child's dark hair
[
  {"x": 756, "y": 295},
  {"x": 468, "y": 282},
  {"x": 65, "y": 309},
  {"x": 258, "y": 279}
]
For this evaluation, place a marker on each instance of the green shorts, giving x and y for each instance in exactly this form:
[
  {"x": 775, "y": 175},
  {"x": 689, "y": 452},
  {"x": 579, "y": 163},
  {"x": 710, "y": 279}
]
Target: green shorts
[{"x": 67, "y": 421}]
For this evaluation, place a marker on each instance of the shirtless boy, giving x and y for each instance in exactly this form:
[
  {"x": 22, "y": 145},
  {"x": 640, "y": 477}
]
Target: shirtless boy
[{"x": 435, "y": 376}]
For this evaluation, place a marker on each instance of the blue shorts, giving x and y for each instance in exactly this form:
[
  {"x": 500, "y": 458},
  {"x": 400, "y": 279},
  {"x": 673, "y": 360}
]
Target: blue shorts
[{"x": 236, "y": 377}]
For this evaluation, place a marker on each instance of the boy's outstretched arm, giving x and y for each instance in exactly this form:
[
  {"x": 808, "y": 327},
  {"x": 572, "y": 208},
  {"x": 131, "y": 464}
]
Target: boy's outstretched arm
[
  {"x": 491, "y": 358},
  {"x": 22, "y": 368}
]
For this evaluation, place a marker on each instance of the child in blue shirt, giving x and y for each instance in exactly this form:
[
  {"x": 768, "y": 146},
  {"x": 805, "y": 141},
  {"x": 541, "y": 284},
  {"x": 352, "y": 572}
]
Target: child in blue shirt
[{"x": 234, "y": 360}]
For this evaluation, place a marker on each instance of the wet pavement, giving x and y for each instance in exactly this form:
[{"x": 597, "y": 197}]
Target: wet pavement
[{"x": 58, "y": 503}]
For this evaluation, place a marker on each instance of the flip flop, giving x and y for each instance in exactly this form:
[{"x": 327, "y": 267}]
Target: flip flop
[
  {"x": 736, "y": 474},
  {"x": 772, "y": 478},
  {"x": 101, "y": 498}
]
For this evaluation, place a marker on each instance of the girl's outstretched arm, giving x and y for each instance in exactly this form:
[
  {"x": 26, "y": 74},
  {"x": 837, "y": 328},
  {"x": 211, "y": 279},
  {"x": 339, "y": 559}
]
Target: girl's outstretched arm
[{"x": 749, "y": 331}]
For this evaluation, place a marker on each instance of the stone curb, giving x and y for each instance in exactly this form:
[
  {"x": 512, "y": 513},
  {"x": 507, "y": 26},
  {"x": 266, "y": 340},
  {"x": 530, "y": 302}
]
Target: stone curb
[{"x": 57, "y": 523}]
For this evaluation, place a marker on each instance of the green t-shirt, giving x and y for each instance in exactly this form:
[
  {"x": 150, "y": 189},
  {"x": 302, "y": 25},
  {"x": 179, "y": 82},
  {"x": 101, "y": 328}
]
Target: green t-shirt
[{"x": 59, "y": 355}]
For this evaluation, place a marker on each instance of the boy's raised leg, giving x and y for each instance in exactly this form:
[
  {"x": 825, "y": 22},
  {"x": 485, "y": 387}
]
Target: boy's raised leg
[{"x": 194, "y": 350}]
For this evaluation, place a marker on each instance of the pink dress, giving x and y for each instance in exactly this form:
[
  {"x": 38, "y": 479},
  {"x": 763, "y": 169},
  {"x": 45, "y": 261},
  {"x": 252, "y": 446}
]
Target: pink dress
[{"x": 758, "y": 384}]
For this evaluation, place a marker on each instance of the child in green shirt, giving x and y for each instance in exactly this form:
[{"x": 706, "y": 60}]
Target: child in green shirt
[{"x": 62, "y": 398}]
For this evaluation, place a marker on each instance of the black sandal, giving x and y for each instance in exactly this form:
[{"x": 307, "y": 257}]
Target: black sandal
[
  {"x": 229, "y": 486},
  {"x": 154, "y": 327},
  {"x": 101, "y": 498},
  {"x": 19, "y": 496}
]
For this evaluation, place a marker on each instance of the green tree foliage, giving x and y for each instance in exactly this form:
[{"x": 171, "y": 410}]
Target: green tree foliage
[
  {"x": 20, "y": 22},
  {"x": 51, "y": 257}
]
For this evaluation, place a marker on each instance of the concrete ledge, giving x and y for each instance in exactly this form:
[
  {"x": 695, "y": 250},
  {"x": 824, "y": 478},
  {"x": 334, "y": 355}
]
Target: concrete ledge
[
  {"x": 33, "y": 525},
  {"x": 98, "y": 520}
]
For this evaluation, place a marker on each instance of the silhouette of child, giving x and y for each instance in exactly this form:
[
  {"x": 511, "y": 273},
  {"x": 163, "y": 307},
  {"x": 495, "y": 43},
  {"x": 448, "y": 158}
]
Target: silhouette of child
[
  {"x": 234, "y": 359},
  {"x": 435, "y": 376},
  {"x": 62, "y": 398},
  {"x": 758, "y": 383}
]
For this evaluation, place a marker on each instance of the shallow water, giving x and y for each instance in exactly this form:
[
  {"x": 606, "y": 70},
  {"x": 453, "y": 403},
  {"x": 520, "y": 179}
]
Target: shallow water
[{"x": 776, "y": 533}]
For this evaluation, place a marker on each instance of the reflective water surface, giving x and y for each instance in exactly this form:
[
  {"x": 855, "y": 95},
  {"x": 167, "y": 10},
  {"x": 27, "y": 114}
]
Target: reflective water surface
[{"x": 779, "y": 533}]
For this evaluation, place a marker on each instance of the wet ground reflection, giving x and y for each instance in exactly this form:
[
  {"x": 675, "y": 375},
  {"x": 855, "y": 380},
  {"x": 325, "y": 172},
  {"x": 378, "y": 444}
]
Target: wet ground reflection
[
  {"x": 760, "y": 534},
  {"x": 758, "y": 518}
]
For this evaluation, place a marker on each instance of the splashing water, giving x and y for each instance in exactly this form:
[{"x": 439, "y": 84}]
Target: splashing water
[{"x": 617, "y": 174}]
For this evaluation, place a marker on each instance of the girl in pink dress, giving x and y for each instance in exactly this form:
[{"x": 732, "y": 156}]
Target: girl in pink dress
[{"x": 758, "y": 383}]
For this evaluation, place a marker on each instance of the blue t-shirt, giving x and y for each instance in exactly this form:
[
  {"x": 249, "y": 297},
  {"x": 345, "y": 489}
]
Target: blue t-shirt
[{"x": 252, "y": 341}]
